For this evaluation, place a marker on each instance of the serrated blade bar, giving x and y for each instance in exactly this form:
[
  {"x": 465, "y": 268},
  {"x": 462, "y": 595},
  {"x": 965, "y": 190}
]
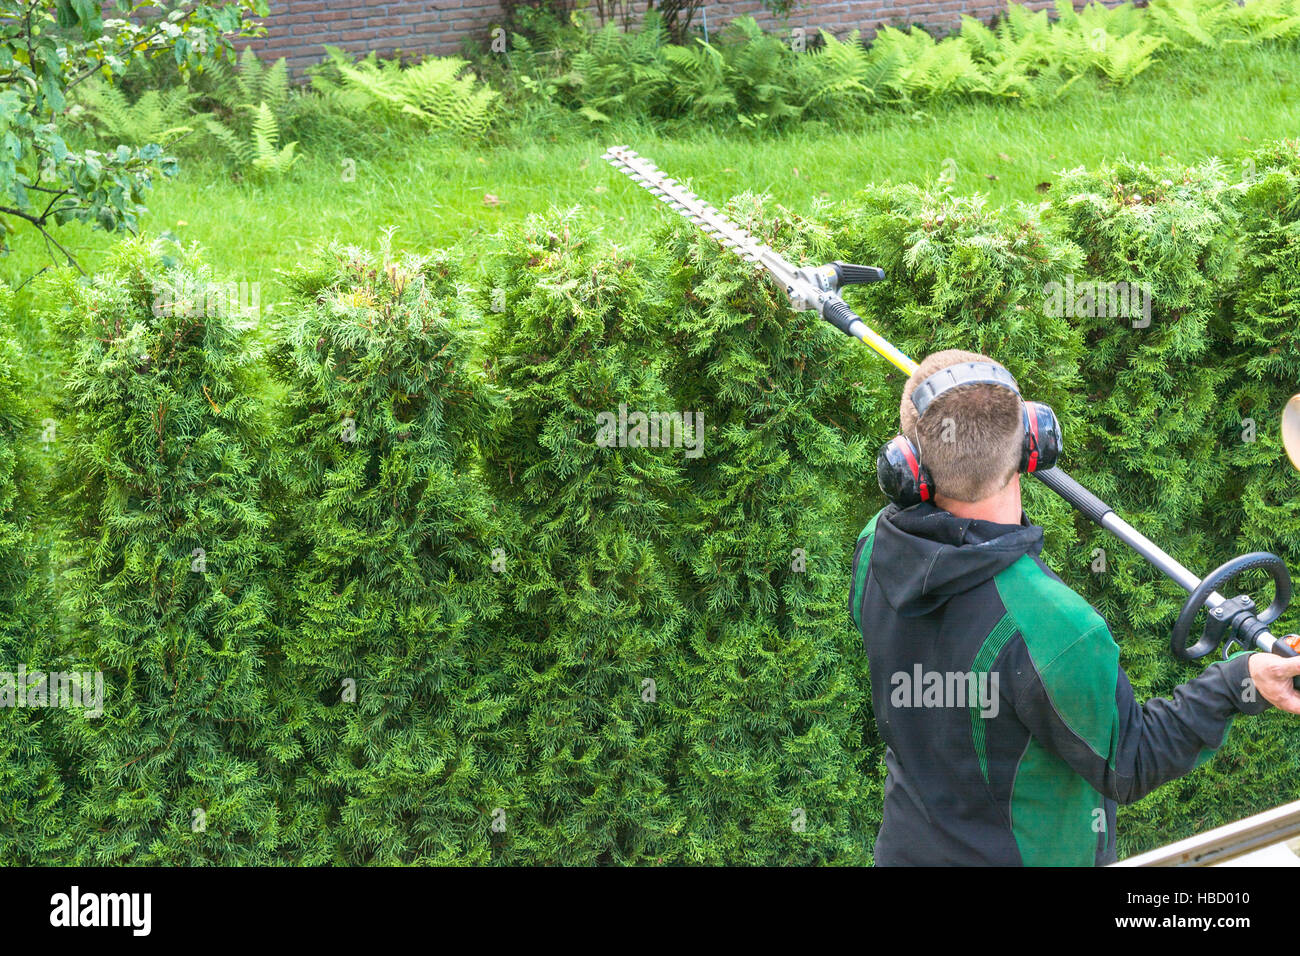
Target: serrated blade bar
[{"x": 649, "y": 176}]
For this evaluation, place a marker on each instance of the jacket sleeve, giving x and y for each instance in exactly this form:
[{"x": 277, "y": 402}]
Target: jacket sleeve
[{"x": 1079, "y": 705}]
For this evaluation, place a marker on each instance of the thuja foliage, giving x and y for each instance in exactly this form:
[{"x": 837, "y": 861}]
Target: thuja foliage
[
  {"x": 597, "y": 599},
  {"x": 1264, "y": 310},
  {"x": 397, "y": 683},
  {"x": 1257, "y": 507},
  {"x": 18, "y": 449},
  {"x": 164, "y": 541},
  {"x": 30, "y": 786},
  {"x": 1153, "y": 379},
  {"x": 691, "y": 692},
  {"x": 771, "y": 698},
  {"x": 1151, "y": 375}
]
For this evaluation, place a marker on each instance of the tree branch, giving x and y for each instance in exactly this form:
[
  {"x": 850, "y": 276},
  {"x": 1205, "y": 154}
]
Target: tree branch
[
  {"x": 39, "y": 223},
  {"x": 51, "y": 241},
  {"x": 45, "y": 215},
  {"x": 31, "y": 277}
]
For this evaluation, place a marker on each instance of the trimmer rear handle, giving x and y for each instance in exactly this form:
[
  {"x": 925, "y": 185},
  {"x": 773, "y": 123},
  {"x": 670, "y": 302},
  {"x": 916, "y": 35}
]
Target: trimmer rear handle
[{"x": 1234, "y": 617}]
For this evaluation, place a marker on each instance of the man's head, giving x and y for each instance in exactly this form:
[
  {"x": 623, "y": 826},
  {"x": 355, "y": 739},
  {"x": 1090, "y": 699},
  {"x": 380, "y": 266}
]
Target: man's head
[{"x": 970, "y": 438}]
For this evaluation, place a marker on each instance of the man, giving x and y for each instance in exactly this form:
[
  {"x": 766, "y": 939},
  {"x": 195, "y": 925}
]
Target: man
[{"x": 1011, "y": 729}]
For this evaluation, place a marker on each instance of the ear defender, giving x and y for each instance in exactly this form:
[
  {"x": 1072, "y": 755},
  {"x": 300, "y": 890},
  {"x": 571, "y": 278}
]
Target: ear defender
[
  {"x": 902, "y": 477},
  {"x": 1042, "y": 438},
  {"x": 899, "y": 469}
]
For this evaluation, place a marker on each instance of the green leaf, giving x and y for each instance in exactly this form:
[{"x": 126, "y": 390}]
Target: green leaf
[{"x": 88, "y": 15}]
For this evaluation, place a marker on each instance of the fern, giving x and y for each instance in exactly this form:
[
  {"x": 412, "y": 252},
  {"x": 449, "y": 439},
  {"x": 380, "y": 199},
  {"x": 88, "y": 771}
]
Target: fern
[
  {"x": 251, "y": 103},
  {"x": 435, "y": 91},
  {"x": 1188, "y": 23},
  {"x": 1117, "y": 21},
  {"x": 700, "y": 80},
  {"x": 270, "y": 156},
  {"x": 1125, "y": 57},
  {"x": 984, "y": 45},
  {"x": 444, "y": 99},
  {"x": 929, "y": 68},
  {"x": 758, "y": 68},
  {"x": 623, "y": 71},
  {"x": 1265, "y": 20},
  {"x": 755, "y": 79},
  {"x": 240, "y": 150},
  {"x": 249, "y": 81},
  {"x": 158, "y": 116},
  {"x": 261, "y": 149},
  {"x": 327, "y": 83},
  {"x": 843, "y": 77}
]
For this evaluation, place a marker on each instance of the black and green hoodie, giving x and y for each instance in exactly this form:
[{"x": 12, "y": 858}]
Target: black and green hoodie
[{"x": 1011, "y": 729}]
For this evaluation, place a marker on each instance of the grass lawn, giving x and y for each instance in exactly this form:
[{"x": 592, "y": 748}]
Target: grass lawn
[{"x": 1185, "y": 108}]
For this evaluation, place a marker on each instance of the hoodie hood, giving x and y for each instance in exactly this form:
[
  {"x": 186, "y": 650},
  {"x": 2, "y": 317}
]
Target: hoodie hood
[{"x": 923, "y": 555}]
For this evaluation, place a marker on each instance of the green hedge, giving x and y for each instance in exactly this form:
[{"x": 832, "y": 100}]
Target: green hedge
[
  {"x": 394, "y": 697},
  {"x": 32, "y": 800},
  {"x": 443, "y": 621},
  {"x": 163, "y": 558}
]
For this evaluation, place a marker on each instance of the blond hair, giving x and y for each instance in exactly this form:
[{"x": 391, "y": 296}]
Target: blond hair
[{"x": 971, "y": 437}]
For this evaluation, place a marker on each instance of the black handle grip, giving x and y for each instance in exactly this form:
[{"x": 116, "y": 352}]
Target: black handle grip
[
  {"x": 849, "y": 274},
  {"x": 1073, "y": 492},
  {"x": 837, "y": 312}
]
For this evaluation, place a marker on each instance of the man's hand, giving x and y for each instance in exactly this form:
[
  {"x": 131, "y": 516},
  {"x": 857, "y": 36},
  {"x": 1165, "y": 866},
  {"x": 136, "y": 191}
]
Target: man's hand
[{"x": 1272, "y": 676}]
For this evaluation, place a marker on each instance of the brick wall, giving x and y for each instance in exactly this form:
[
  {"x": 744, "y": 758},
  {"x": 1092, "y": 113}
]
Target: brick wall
[{"x": 297, "y": 29}]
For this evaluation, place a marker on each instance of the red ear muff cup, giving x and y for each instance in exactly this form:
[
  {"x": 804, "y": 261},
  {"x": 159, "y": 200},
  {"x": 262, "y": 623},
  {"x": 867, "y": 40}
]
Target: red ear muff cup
[
  {"x": 900, "y": 473},
  {"x": 1029, "y": 456},
  {"x": 1042, "y": 438}
]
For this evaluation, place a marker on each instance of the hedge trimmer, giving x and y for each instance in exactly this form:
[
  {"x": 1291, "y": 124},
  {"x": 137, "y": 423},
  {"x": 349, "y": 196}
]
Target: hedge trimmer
[{"x": 1235, "y": 620}]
